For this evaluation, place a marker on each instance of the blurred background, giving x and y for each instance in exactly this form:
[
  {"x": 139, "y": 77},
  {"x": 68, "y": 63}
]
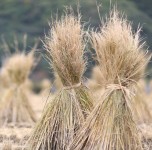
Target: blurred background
[{"x": 31, "y": 17}]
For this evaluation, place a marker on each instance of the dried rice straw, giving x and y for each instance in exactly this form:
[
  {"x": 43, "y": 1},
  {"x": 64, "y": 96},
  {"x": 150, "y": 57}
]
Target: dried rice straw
[
  {"x": 142, "y": 112},
  {"x": 14, "y": 106},
  {"x": 111, "y": 124},
  {"x": 65, "y": 113}
]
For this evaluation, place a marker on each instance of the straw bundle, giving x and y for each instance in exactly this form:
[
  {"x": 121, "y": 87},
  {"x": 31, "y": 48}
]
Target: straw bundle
[
  {"x": 14, "y": 107},
  {"x": 94, "y": 82},
  {"x": 4, "y": 80},
  {"x": 66, "y": 112},
  {"x": 111, "y": 125},
  {"x": 142, "y": 112},
  {"x": 46, "y": 85},
  {"x": 18, "y": 67}
]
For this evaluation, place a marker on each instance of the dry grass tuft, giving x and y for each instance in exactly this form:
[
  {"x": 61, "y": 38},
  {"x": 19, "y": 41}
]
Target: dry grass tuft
[
  {"x": 4, "y": 79},
  {"x": 65, "y": 48},
  {"x": 95, "y": 82},
  {"x": 142, "y": 110},
  {"x": 111, "y": 41},
  {"x": 111, "y": 125},
  {"x": 18, "y": 67},
  {"x": 65, "y": 113},
  {"x": 15, "y": 107}
]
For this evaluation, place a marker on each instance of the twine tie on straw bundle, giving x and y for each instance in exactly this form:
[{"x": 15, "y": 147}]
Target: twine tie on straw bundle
[
  {"x": 113, "y": 87},
  {"x": 73, "y": 86}
]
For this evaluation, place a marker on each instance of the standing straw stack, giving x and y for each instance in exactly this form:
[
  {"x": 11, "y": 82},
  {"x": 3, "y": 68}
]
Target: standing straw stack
[
  {"x": 111, "y": 125},
  {"x": 14, "y": 107},
  {"x": 142, "y": 111},
  {"x": 95, "y": 84},
  {"x": 65, "y": 113}
]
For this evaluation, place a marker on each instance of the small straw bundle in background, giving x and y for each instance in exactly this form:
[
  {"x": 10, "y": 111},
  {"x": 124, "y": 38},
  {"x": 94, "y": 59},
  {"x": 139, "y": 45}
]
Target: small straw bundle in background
[
  {"x": 111, "y": 124},
  {"x": 142, "y": 112},
  {"x": 15, "y": 108},
  {"x": 3, "y": 80},
  {"x": 95, "y": 84},
  {"x": 45, "y": 85},
  {"x": 65, "y": 113}
]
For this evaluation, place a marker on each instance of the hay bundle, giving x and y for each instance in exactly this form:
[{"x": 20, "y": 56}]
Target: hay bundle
[
  {"x": 142, "y": 112},
  {"x": 111, "y": 125},
  {"x": 94, "y": 82},
  {"x": 4, "y": 80},
  {"x": 67, "y": 111},
  {"x": 46, "y": 85},
  {"x": 18, "y": 67},
  {"x": 14, "y": 106}
]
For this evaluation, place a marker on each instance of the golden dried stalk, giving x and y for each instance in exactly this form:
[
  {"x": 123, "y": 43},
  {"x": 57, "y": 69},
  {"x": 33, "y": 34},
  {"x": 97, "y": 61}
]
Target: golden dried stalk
[
  {"x": 65, "y": 113},
  {"x": 142, "y": 110},
  {"x": 111, "y": 124},
  {"x": 18, "y": 67},
  {"x": 14, "y": 106}
]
